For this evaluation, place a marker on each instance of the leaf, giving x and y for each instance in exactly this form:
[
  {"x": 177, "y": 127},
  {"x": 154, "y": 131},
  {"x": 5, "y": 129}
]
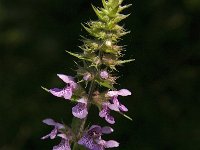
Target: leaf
[
  {"x": 104, "y": 4},
  {"x": 47, "y": 90},
  {"x": 120, "y": 18},
  {"x": 124, "y": 7},
  {"x": 124, "y": 61},
  {"x": 105, "y": 84},
  {"x": 78, "y": 56},
  {"x": 98, "y": 13},
  {"x": 88, "y": 29}
]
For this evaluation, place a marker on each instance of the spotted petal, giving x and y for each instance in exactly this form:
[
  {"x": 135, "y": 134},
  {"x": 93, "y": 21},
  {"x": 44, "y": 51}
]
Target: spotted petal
[
  {"x": 65, "y": 92},
  {"x": 64, "y": 145},
  {"x": 87, "y": 142},
  {"x": 80, "y": 110}
]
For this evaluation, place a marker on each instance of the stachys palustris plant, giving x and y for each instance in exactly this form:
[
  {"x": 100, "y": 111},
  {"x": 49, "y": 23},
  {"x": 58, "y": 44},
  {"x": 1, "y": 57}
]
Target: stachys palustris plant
[{"x": 94, "y": 82}]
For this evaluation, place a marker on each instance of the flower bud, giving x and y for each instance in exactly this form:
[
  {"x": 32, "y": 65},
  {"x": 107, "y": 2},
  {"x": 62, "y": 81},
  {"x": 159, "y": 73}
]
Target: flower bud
[
  {"x": 104, "y": 74},
  {"x": 87, "y": 76}
]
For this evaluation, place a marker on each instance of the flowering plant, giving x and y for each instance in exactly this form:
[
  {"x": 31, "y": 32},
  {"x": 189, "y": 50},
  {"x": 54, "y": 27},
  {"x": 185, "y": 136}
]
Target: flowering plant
[{"x": 94, "y": 83}]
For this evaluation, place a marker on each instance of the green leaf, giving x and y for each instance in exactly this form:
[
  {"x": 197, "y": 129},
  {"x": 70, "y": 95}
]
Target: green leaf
[
  {"x": 104, "y": 4},
  {"x": 120, "y": 18},
  {"x": 124, "y": 7},
  {"x": 78, "y": 56},
  {"x": 89, "y": 30},
  {"x": 124, "y": 61},
  {"x": 105, "y": 84},
  {"x": 98, "y": 13}
]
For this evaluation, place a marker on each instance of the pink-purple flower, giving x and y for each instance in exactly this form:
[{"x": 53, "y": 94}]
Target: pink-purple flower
[
  {"x": 93, "y": 141},
  {"x": 113, "y": 104},
  {"x": 58, "y": 131},
  {"x": 105, "y": 113},
  {"x": 57, "y": 126},
  {"x": 64, "y": 144},
  {"x": 80, "y": 110},
  {"x": 104, "y": 74},
  {"x": 67, "y": 91}
]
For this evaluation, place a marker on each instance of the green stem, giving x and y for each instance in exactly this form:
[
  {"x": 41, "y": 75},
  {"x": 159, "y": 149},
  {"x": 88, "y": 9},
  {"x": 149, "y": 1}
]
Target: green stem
[{"x": 79, "y": 124}]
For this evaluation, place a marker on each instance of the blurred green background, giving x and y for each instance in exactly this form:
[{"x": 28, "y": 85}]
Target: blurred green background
[{"x": 164, "y": 79}]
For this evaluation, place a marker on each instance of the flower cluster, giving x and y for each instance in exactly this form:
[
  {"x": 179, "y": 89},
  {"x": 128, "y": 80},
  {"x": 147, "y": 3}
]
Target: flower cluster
[{"x": 95, "y": 82}]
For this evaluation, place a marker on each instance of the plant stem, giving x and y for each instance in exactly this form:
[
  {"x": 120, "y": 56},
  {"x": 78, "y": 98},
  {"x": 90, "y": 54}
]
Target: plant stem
[{"x": 79, "y": 124}]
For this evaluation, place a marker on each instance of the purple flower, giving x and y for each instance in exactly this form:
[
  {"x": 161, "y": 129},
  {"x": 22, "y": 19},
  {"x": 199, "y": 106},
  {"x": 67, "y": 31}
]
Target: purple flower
[
  {"x": 104, "y": 74},
  {"x": 105, "y": 113},
  {"x": 115, "y": 104},
  {"x": 54, "y": 132},
  {"x": 92, "y": 138},
  {"x": 58, "y": 128},
  {"x": 80, "y": 110},
  {"x": 64, "y": 144},
  {"x": 67, "y": 91}
]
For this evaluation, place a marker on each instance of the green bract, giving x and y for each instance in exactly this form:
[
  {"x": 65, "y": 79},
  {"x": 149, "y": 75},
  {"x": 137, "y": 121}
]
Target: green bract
[{"x": 100, "y": 50}]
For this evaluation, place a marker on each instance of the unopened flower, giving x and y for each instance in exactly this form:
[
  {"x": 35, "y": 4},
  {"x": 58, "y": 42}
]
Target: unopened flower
[
  {"x": 104, "y": 74},
  {"x": 105, "y": 113},
  {"x": 54, "y": 132},
  {"x": 87, "y": 76},
  {"x": 67, "y": 91},
  {"x": 92, "y": 138},
  {"x": 80, "y": 110}
]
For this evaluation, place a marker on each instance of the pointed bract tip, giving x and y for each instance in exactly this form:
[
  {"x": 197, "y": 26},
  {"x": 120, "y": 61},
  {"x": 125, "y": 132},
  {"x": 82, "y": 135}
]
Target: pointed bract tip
[{"x": 47, "y": 90}]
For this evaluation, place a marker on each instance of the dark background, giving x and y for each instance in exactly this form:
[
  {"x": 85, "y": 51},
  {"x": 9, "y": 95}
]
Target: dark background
[{"x": 164, "y": 79}]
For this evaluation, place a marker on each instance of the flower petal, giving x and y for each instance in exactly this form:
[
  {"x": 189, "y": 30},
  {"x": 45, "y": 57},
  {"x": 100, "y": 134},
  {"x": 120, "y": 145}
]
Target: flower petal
[
  {"x": 57, "y": 92},
  {"x": 114, "y": 107},
  {"x": 123, "y": 108},
  {"x": 53, "y": 133},
  {"x": 67, "y": 93},
  {"x": 110, "y": 119},
  {"x": 65, "y": 78},
  {"x": 49, "y": 122},
  {"x": 87, "y": 142},
  {"x": 103, "y": 113},
  {"x": 107, "y": 130},
  {"x": 68, "y": 79},
  {"x": 111, "y": 143},
  {"x": 112, "y": 93},
  {"x": 80, "y": 110},
  {"x": 82, "y": 100},
  {"x": 64, "y": 145},
  {"x": 124, "y": 92}
]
